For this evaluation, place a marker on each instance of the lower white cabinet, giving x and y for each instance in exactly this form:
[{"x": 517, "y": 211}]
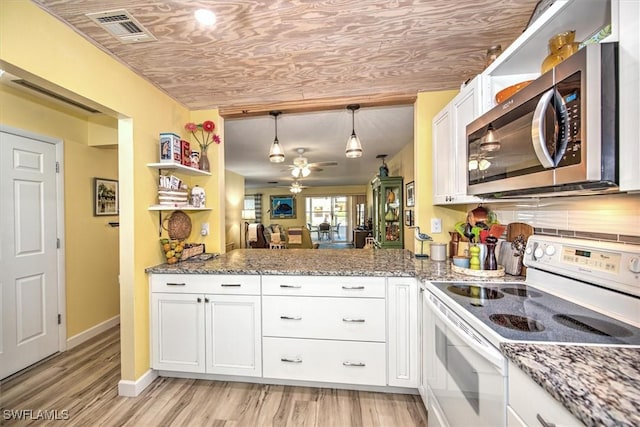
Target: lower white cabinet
[
  {"x": 402, "y": 315},
  {"x": 531, "y": 405},
  {"x": 423, "y": 362},
  {"x": 214, "y": 333}
]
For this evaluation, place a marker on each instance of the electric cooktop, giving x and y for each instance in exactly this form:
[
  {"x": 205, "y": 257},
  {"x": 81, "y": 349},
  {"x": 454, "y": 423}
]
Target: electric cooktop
[{"x": 520, "y": 312}]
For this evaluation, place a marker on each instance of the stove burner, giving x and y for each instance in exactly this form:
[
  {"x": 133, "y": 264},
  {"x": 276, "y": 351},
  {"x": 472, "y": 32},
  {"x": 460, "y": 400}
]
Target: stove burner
[
  {"x": 518, "y": 323},
  {"x": 522, "y": 292},
  {"x": 592, "y": 325},
  {"x": 475, "y": 292}
]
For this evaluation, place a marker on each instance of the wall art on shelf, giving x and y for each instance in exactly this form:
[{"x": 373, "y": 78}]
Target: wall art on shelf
[
  {"x": 411, "y": 195},
  {"x": 408, "y": 218},
  {"x": 105, "y": 197},
  {"x": 283, "y": 207}
]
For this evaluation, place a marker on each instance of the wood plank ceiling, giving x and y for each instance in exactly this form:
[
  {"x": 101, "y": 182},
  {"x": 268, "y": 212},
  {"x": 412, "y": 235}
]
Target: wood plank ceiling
[{"x": 265, "y": 52}]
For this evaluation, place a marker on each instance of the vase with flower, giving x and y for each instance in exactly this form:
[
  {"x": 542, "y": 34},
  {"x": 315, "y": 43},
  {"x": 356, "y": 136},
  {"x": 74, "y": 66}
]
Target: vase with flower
[{"x": 207, "y": 137}]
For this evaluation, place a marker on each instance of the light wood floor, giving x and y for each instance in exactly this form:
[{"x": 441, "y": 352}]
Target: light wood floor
[{"x": 83, "y": 382}]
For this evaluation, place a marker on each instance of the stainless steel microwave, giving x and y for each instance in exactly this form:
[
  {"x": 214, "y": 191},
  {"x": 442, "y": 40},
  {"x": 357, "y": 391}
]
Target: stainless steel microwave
[{"x": 557, "y": 136}]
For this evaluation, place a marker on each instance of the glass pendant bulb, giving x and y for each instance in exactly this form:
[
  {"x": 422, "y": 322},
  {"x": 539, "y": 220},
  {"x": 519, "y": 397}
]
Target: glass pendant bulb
[
  {"x": 276, "y": 154},
  {"x": 354, "y": 148}
]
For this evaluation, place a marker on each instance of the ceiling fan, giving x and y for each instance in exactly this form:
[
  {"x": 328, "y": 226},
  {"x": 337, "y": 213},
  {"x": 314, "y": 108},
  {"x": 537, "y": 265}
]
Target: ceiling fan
[
  {"x": 295, "y": 187},
  {"x": 301, "y": 167}
]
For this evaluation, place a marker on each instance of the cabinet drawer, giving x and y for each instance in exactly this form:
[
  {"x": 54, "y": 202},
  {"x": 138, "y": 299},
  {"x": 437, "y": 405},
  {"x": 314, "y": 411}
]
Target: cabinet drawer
[
  {"x": 338, "y": 286},
  {"x": 358, "y": 319},
  {"x": 328, "y": 361},
  {"x": 529, "y": 400},
  {"x": 206, "y": 283}
]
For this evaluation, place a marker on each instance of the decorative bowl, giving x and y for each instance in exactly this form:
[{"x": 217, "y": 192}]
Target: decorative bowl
[{"x": 509, "y": 91}]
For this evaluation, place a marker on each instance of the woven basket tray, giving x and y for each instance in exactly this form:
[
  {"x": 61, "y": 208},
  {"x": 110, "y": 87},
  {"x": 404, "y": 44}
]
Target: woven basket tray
[
  {"x": 478, "y": 273},
  {"x": 177, "y": 250},
  {"x": 178, "y": 225}
]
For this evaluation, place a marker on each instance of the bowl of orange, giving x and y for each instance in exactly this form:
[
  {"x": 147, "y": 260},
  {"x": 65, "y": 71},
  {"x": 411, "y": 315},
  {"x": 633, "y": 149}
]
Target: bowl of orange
[{"x": 509, "y": 91}]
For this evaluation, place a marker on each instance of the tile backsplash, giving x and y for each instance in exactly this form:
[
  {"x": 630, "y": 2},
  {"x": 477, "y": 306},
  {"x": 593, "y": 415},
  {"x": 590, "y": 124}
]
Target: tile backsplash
[{"x": 606, "y": 217}]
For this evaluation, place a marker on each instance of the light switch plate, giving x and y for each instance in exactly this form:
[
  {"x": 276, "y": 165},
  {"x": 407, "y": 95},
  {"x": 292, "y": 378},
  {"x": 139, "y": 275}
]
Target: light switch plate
[{"x": 436, "y": 225}]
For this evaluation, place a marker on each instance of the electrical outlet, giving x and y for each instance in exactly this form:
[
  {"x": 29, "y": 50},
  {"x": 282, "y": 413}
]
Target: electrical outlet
[
  {"x": 436, "y": 225},
  {"x": 204, "y": 229}
]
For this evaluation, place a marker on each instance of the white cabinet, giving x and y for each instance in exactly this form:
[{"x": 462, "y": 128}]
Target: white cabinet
[
  {"x": 402, "y": 314},
  {"x": 449, "y": 145},
  {"x": 530, "y": 404},
  {"x": 329, "y": 329},
  {"x": 423, "y": 327},
  {"x": 206, "y": 324}
]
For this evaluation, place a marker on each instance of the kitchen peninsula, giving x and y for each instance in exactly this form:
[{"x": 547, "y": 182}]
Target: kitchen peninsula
[{"x": 265, "y": 316}]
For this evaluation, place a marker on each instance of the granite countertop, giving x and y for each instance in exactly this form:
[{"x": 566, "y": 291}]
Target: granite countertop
[
  {"x": 599, "y": 385},
  {"x": 324, "y": 262}
]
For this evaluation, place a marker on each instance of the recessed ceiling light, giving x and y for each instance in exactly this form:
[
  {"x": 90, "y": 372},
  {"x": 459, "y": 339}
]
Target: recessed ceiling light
[{"x": 205, "y": 17}]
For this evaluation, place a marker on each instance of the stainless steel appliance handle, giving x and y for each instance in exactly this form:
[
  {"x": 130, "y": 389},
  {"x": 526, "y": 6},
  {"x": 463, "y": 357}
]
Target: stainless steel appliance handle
[
  {"x": 537, "y": 130},
  {"x": 484, "y": 349}
]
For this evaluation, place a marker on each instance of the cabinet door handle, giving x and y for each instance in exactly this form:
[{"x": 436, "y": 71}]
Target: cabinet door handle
[
  {"x": 231, "y": 285},
  {"x": 206, "y": 300},
  {"x": 352, "y": 320},
  {"x": 176, "y": 284},
  {"x": 291, "y": 317},
  {"x": 351, "y": 288},
  {"x": 543, "y": 422},
  {"x": 288, "y": 360},
  {"x": 199, "y": 299},
  {"x": 358, "y": 364},
  {"x": 291, "y": 286}
]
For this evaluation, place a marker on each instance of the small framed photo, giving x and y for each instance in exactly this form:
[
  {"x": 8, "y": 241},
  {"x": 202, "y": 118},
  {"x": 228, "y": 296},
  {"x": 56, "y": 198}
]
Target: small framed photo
[
  {"x": 408, "y": 218},
  {"x": 105, "y": 195},
  {"x": 283, "y": 207},
  {"x": 411, "y": 196}
]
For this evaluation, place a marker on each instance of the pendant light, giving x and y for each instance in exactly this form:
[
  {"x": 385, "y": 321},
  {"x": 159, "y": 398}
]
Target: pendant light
[
  {"x": 491, "y": 142},
  {"x": 354, "y": 148},
  {"x": 276, "y": 154}
]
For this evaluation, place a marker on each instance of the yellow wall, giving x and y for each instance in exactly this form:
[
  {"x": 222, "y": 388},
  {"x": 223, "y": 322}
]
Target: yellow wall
[
  {"x": 91, "y": 245},
  {"x": 427, "y": 106},
  {"x": 55, "y": 56},
  {"x": 234, "y": 225}
]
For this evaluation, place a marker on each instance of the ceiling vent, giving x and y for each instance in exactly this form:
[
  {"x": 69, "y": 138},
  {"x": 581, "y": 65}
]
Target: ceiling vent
[{"x": 120, "y": 24}]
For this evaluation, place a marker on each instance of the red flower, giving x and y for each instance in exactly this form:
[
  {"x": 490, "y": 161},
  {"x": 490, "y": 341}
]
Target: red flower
[{"x": 206, "y": 129}]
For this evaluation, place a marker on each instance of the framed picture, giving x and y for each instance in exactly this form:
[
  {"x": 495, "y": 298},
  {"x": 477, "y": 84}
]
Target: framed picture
[
  {"x": 105, "y": 195},
  {"x": 411, "y": 196},
  {"x": 283, "y": 207},
  {"x": 408, "y": 218}
]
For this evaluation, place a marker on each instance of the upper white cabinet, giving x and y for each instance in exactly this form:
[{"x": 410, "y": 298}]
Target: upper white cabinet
[
  {"x": 523, "y": 58},
  {"x": 449, "y": 145}
]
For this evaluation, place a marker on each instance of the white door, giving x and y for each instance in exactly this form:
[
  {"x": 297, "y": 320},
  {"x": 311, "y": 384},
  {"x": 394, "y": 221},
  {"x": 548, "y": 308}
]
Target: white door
[{"x": 28, "y": 252}]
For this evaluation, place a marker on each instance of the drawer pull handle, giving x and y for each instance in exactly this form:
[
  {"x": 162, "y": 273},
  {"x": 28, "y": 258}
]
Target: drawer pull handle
[
  {"x": 357, "y": 364},
  {"x": 543, "y": 422},
  {"x": 351, "y": 288},
  {"x": 291, "y": 286},
  {"x": 350, "y": 320},
  {"x": 286, "y": 359},
  {"x": 176, "y": 284},
  {"x": 231, "y": 285},
  {"x": 291, "y": 317}
]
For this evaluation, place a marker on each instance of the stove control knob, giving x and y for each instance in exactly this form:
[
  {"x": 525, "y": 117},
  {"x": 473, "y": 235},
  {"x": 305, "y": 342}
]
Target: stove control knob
[
  {"x": 538, "y": 252},
  {"x": 634, "y": 265},
  {"x": 528, "y": 250},
  {"x": 550, "y": 250}
]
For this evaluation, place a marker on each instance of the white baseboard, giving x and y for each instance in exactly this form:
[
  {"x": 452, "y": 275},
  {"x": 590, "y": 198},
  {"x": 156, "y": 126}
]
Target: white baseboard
[
  {"x": 92, "y": 332},
  {"x": 134, "y": 388}
]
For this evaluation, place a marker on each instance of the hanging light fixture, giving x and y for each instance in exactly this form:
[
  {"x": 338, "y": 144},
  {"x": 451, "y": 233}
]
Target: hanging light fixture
[
  {"x": 354, "y": 148},
  {"x": 276, "y": 154},
  {"x": 295, "y": 187},
  {"x": 491, "y": 142}
]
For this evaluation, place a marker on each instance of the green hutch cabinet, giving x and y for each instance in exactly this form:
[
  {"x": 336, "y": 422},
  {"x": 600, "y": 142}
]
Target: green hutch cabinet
[{"x": 388, "y": 227}]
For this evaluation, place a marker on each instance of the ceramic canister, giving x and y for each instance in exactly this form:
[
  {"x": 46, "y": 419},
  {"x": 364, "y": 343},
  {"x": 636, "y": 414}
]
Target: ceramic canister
[{"x": 438, "y": 251}]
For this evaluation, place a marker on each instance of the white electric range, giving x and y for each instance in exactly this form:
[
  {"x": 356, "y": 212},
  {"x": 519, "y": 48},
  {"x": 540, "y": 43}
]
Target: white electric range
[{"x": 575, "y": 292}]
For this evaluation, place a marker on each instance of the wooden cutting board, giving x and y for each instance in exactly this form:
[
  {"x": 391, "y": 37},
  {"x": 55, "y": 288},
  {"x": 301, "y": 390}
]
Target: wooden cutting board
[{"x": 516, "y": 228}]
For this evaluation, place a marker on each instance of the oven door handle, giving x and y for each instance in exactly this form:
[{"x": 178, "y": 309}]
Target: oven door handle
[{"x": 486, "y": 350}]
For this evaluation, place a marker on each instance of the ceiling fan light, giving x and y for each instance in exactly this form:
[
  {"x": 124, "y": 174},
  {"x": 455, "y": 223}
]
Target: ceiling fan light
[
  {"x": 305, "y": 171},
  {"x": 295, "y": 172}
]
